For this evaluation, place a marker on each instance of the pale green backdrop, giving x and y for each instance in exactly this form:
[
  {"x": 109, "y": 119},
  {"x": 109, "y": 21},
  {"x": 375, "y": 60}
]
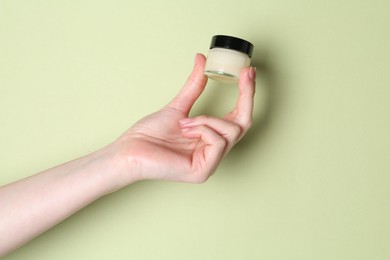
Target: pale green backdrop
[{"x": 311, "y": 179}]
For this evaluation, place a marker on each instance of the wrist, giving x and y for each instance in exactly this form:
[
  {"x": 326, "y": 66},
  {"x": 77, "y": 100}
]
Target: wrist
[{"x": 117, "y": 165}]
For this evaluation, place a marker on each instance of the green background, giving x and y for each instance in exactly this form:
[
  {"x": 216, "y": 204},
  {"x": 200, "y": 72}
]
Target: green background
[{"x": 309, "y": 181}]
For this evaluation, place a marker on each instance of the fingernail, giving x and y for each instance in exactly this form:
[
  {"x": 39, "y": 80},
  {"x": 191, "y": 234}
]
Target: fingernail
[
  {"x": 184, "y": 121},
  {"x": 184, "y": 130},
  {"x": 252, "y": 73},
  {"x": 196, "y": 56}
]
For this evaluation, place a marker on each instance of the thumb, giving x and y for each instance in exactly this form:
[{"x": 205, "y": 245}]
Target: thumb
[{"x": 193, "y": 87}]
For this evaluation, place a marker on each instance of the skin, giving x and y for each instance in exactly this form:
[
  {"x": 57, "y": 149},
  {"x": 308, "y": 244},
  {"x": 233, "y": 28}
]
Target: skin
[{"x": 166, "y": 145}]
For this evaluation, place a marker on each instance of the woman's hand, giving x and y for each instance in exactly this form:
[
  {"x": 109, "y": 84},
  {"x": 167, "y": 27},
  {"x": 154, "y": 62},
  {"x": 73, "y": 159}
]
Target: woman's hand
[
  {"x": 169, "y": 145},
  {"x": 166, "y": 145}
]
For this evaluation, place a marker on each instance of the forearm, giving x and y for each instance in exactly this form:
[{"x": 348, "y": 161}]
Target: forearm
[
  {"x": 166, "y": 145},
  {"x": 33, "y": 205}
]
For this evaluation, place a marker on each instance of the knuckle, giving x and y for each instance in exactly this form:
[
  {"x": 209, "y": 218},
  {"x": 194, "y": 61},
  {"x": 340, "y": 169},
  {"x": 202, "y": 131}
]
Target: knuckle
[
  {"x": 199, "y": 179},
  {"x": 236, "y": 133},
  {"x": 247, "y": 124},
  {"x": 237, "y": 130},
  {"x": 220, "y": 141}
]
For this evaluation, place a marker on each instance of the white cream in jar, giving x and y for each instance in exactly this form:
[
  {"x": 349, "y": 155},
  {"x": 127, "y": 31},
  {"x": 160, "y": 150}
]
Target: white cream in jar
[{"x": 227, "y": 56}]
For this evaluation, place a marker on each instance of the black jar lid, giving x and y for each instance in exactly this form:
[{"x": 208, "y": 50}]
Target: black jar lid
[{"x": 233, "y": 43}]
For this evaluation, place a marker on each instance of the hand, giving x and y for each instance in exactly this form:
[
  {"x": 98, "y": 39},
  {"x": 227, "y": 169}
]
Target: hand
[
  {"x": 169, "y": 145},
  {"x": 166, "y": 145}
]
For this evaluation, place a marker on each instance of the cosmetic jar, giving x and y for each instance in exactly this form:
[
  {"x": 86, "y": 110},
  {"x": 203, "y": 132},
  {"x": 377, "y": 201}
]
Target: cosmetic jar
[{"x": 227, "y": 56}]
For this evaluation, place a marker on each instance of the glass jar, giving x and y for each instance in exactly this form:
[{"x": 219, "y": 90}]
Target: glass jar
[{"x": 227, "y": 56}]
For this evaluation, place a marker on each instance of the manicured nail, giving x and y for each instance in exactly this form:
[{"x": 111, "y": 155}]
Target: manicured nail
[
  {"x": 252, "y": 73},
  {"x": 184, "y": 130},
  {"x": 185, "y": 121},
  {"x": 196, "y": 56}
]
